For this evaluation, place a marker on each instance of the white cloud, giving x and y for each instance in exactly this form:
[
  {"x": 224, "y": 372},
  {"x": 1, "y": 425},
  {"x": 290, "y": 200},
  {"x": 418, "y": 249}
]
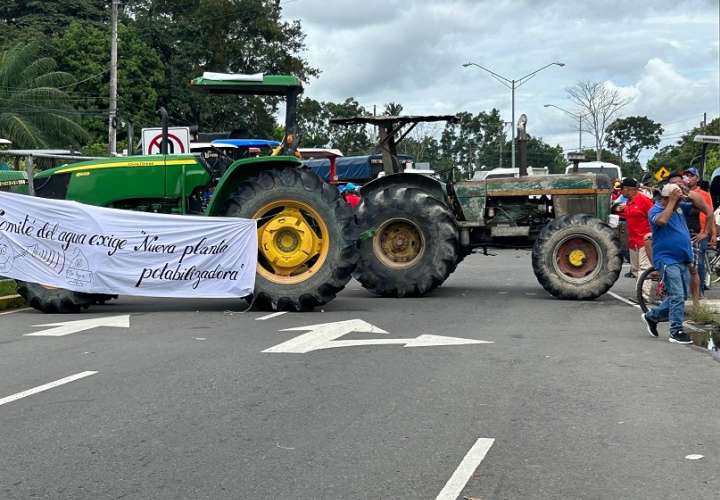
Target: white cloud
[{"x": 663, "y": 53}]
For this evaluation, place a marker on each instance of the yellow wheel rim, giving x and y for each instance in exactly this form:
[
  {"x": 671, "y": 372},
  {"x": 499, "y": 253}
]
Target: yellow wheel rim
[
  {"x": 398, "y": 243},
  {"x": 293, "y": 241},
  {"x": 577, "y": 258}
]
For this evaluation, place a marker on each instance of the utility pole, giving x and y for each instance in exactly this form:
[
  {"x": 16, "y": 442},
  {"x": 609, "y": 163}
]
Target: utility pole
[
  {"x": 512, "y": 85},
  {"x": 112, "y": 118}
]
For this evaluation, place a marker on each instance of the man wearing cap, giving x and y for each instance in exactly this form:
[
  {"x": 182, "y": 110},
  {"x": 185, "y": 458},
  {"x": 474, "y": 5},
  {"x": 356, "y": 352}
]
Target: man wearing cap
[
  {"x": 691, "y": 177},
  {"x": 672, "y": 252},
  {"x": 636, "y": 216}
]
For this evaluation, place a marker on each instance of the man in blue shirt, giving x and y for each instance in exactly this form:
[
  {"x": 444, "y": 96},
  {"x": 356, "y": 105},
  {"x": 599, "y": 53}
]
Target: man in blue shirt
[{"x": 672, "y": 252}]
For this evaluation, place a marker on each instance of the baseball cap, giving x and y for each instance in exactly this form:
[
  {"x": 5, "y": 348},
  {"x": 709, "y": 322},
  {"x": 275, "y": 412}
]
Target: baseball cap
[
  {"x": 692, "y": 171},
  {"x": 630, "y": 182},
  {"x": 668, "y": 189}
]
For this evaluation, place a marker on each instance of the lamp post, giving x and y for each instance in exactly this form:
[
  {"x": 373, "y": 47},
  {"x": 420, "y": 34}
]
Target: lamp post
[
  {"x": 579, "y": 118},
  {"x": 512, "y": 84}
]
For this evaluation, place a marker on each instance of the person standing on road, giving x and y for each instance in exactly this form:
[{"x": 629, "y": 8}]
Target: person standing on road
[
  {"x": 692, "y": 205},
  {"x": 672, "y": 252},
  {"x": 636, "y": 216},
  {"x": 692, "y": 179}
]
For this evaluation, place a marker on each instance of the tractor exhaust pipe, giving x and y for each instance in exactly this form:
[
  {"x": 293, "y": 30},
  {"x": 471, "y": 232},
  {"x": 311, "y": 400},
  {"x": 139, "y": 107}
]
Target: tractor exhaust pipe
[{"x": 164, "y": 124}]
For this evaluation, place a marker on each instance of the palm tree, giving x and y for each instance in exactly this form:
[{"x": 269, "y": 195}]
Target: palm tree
[{"x": 35, "y": 111}]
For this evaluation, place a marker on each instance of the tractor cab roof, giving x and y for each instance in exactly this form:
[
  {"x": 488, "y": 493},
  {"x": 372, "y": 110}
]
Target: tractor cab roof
[{"x": 258, "y": 84}]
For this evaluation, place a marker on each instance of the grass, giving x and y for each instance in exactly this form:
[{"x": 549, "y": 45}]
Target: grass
[
  {"x": 7, "y": 287},
  {"x": 703, "y": 315}
]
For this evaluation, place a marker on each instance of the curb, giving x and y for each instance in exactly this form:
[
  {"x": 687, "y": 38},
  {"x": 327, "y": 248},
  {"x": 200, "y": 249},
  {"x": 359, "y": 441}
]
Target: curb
[{"x": 710, "y": 349}]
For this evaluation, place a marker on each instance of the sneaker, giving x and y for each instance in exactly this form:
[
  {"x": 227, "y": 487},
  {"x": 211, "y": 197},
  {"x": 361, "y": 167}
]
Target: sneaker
[
  {"x": 650, "y": 325},
  {"x": 680, "y": 338}
]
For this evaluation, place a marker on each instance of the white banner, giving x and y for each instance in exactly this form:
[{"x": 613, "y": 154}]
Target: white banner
[{"x": 102, "y": 250}]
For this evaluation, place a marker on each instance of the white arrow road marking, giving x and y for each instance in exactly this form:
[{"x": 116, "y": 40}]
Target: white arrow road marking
[
  {"x": 465, "y": 470},
  {"x": 69, "y": 327},
  {"x": 45, "y": 387},
  {"x": 324, "y": 335}
]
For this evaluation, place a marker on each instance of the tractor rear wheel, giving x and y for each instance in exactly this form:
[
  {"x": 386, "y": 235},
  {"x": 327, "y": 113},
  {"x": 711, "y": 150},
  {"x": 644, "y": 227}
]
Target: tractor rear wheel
[
  {"x": 414, "y": 246},
  {"x": 56, "y": 300},
  {"x": 306, "y": 238},
  {"x": 577, "y": 257}
]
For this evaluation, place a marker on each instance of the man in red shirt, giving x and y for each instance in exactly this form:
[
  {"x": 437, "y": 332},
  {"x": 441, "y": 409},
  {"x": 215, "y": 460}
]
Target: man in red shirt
[{"x": 638, "y": 226}]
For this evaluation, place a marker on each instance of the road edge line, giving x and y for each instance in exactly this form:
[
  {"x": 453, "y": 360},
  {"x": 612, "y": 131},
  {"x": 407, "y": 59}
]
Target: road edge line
[{"x": 623, "y": 299}]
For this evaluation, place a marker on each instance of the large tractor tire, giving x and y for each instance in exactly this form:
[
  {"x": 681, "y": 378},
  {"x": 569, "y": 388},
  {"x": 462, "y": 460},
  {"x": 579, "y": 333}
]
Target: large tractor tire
[
  {"x": 306, "y": 238},
  {"x": 414, "y": 243},
  {"x": 57, "y": 300},
  {"x": 577, "y": 257}
]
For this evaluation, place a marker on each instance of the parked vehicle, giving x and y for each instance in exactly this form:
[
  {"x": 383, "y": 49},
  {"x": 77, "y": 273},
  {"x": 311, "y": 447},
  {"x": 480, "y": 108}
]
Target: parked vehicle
[
  {"x": 500, "y": 173},
  {"x": 597, "y": 167}
]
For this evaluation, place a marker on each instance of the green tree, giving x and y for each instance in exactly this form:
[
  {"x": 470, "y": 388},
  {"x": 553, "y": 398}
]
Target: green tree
[
  {"x": 35, "y": 110},
  {"x": 23, "y": 20},
  {"x": 685, "y": 152},
  {"x": 541, "y": 154},
  {"x": 630, "y": 136},
  {"x": 393, "y": 109},
  {"x": 473, "y": 142},
  {"x": 83, "y": 50},
  {"x": 236, "y": 36},
  {"x": 317, "y": 131}
]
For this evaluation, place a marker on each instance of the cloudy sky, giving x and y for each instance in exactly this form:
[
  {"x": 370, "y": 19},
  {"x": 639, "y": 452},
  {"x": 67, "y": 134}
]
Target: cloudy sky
[{"x": 661, "y": 53}]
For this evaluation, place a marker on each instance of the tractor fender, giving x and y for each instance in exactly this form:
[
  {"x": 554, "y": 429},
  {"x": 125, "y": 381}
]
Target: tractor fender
[
  {"x": 431, "y": 186},
  {"x": 241, "y": 170}
]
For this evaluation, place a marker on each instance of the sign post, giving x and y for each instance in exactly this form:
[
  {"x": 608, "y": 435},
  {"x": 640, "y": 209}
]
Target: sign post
[{"x": 178, "y": 140}]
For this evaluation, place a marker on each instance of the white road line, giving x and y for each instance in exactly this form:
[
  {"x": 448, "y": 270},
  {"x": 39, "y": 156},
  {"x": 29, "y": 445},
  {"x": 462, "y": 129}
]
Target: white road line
[
  {"x": 45, "y": 387},
  {"x": 15, "y": 311},
  {"x": 623, "y": 299},
  {"x": 270, "y": 316},
  {"x": 465, "y": 470}
]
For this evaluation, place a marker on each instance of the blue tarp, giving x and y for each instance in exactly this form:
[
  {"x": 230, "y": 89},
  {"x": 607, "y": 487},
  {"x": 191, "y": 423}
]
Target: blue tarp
[{"x": 352, "y": 168}]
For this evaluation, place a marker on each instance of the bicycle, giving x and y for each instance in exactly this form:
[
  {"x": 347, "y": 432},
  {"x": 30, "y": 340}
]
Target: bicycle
[
  {"x": 712, "y": 267},
  {"x": 650, "y": 289}
]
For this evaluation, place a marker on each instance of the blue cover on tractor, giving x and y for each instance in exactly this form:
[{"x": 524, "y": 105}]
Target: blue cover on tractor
[{"x": 352, "y": 168}]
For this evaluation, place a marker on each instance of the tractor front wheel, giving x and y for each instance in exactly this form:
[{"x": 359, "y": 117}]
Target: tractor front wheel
[
  {"x": 57, "y": 300},
  {"x": 577, "y": 257},
  {"x": 306, "y": 238},
  {"x": 414, "y": 242}
]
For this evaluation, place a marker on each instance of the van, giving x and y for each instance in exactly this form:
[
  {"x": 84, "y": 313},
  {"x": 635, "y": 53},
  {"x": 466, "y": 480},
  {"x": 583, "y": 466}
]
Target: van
[
  {"x": 597, "y": 167},
  {"x": 498, "y": 173}
]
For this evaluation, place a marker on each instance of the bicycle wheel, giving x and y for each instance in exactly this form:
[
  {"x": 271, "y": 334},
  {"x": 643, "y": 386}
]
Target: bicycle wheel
[
  {"x": 710, "y": 256},
  {"x": 650, "y": 290}
]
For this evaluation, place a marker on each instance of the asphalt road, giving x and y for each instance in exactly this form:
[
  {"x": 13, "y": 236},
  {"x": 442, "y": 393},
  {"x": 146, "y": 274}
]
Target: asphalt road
[{"x": 571, "y": 400}]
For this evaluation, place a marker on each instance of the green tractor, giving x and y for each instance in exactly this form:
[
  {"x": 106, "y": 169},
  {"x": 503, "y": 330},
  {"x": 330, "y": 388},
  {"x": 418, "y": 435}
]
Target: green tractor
[
  {"x": 415, "y": 230},
  {"x": 306, "y": 232}
]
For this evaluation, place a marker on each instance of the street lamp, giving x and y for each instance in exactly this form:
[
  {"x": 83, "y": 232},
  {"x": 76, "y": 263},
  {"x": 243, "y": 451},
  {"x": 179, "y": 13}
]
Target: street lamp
[
  {"x": 579, "y": 117},
  {"x": 512, "y": 85}
]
